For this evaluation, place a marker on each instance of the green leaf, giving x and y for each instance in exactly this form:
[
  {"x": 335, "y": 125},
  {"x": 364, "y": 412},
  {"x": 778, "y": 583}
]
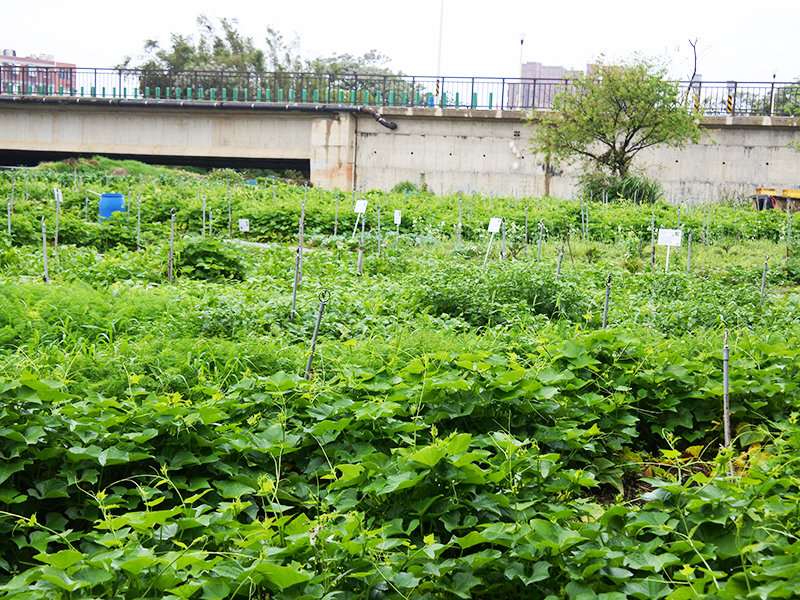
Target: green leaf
[
  {"x": 61, "y": 579},
  {"x": 401, "y": 481},
  {"x": 646, "y": 561},
  {"x": 553, "y": 535},
  {"x": 62, "y": 560},
  {"x": 9, "y": 467},
  {"x": 647, "y": 589},
  {"x": 234, "y": 489},
  {"x": 280, "y": 576},
  {"x": 142, "y": 558},
  {"x": 216, "y": 589},
  {"x": 463, "y": 583},
  {"x": 405, "y": 580},
  {"x": 49, "y": 488},
  {"x": 429, "y": 455},
  {"x": 473, "y": 538}
]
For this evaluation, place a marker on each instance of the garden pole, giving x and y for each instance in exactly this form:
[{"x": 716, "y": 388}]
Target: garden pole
[
  {"x": 360, "y": 265},
  {"x": 471, "y": 204},
  {"x": 230, "y": 213},
  {"x": 608, "y": 295},
  {"x": 171, "y": 256},
  {"x": 139, "y": 221},
  {"x": 488, "y": 247},
  {"x": 301, "y": 237},
  {"x": 324, "y": 296},
  {"x": 335, "y": 215},
  {"x": 587, "y": 222},
  {"x": 764, "y": 279},
  {"x": 569, "y": 246},
  {"x": 204, "y": 216},
  {"x": 726, "y": 399},
  {"x": 560, "y": 258},
  {"x": 541, "y": 234},
  {"x": 210, "y": 222},
  {"x": 379, "y": 228},
  {"x": 689, "y": 254},
  {"x": 666, "y": 268},
  {"x": 653, "y": 241},
  {"x": 46, "y": 277},
  {"x": 789, "y": 237},
  {"x": 86, "y": 209},
  {"x": 526, "y": 230},
  {"x": 503, "y": 253},
  {"x": 58, "y": 214},
  {"x": 459, "y": 218}
]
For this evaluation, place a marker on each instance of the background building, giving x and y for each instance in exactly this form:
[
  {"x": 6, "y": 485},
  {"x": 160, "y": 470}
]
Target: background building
[
  {"x": 540, "y": 84},
  {"x": 34, "y": 74}
]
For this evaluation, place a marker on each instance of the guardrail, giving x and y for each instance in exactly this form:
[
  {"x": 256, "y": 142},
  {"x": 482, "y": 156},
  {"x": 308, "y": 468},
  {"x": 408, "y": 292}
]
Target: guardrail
[{"x": 712, "y": 98}]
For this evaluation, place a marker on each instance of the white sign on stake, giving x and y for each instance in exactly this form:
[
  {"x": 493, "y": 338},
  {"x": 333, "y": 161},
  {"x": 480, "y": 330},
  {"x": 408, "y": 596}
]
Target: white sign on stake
[
  {"x": 494, "y": 224},
  {"x": 669, "y": 237},
  {"x": 398, "y": 215},
  {"x": 244, "y": 225},
  {"x": 59, "y": 197},
  {"x": 361, "y": 207}
]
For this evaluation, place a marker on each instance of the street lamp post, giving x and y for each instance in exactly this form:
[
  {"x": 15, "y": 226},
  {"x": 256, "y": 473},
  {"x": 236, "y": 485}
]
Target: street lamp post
[
  {"x": 441, "y": 27},
  {"x": 519, "y": 88}
]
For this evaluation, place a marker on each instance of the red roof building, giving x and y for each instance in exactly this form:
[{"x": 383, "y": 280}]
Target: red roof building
[{"x": 35, "y": 75}]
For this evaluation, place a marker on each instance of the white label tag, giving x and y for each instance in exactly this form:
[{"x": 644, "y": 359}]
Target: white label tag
[
  {"x": 361, "y": 207},
  {"x": 494, "y": 224},
  {"x": 244, "y": 224},
  {"x": 59, "y": 197},
  {"x": 669, "y": 237},
  {"x": 398, "y": 216}
]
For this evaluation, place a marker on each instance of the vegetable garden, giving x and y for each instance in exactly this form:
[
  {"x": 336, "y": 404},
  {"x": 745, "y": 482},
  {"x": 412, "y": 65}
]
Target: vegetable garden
[{"x": 465, "y": 431}]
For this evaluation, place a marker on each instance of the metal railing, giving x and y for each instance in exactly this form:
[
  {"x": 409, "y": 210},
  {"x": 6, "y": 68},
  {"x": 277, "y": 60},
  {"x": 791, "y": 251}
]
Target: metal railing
[{"x": 709, "y": 98}]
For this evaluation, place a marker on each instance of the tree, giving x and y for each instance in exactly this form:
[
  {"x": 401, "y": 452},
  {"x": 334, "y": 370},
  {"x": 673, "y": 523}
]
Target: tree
[
  {"x": 218, "y": 56},
  {"x": 607, "y": 116},
  {"x": 218, "y": 47}
]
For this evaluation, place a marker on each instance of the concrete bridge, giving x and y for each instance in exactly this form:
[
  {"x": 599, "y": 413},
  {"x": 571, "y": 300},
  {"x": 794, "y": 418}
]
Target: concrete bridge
[{"x": 345, "y": 147}]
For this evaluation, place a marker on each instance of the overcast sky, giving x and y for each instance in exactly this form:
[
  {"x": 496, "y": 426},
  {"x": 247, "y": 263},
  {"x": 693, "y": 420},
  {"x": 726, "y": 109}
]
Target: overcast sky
[{"x": 737, "y": 40}]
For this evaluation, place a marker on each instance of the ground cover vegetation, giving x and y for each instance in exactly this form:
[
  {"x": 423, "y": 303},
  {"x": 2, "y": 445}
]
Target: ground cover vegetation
[{"x": 466, "y": 431}]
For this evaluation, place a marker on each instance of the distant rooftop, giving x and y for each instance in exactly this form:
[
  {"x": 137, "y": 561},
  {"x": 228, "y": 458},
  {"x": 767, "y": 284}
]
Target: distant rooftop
[{"x": 9, "y": 57}]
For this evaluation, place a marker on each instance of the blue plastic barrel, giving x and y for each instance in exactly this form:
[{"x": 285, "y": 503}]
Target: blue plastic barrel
[{"x": 111, "y": 203}]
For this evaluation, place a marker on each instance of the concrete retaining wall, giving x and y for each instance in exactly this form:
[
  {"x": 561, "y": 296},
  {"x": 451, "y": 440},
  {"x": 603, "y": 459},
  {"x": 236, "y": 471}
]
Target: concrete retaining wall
[
  {"x": 451, "y": 150},
  {"x": 735, "y": 156}
]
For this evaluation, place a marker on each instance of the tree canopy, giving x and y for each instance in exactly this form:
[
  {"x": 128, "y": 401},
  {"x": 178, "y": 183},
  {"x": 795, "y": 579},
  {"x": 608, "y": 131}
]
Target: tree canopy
[
  {"x": 610, "y": 114},
  {"x": 217, "y": 45}
]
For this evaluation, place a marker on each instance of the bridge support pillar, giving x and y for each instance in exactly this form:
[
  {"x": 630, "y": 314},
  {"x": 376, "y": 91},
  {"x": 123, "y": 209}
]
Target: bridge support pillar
[{"x": 333, "y": 152}]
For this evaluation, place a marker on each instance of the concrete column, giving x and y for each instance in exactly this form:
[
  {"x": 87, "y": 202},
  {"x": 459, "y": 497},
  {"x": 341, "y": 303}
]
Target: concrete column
[{"x": 333, "y": 151}]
